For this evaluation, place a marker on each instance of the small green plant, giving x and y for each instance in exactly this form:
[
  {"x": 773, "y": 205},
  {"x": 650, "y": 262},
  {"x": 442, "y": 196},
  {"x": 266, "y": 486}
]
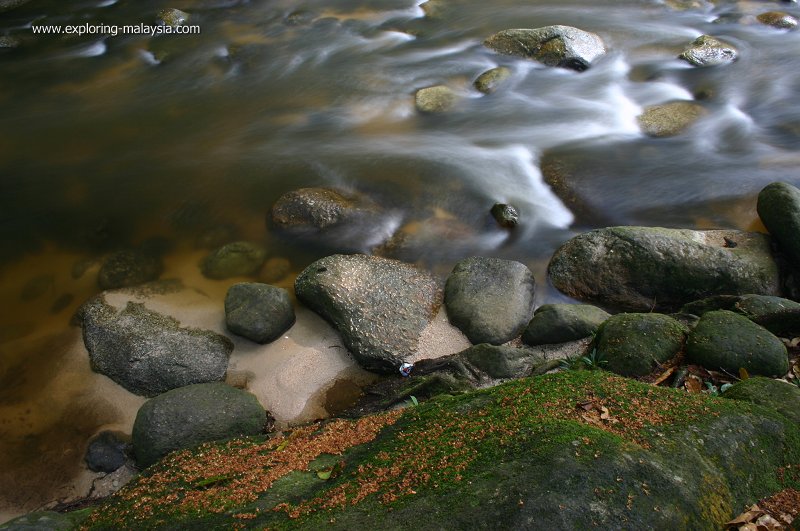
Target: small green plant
[{"x": 592, "y": 362}]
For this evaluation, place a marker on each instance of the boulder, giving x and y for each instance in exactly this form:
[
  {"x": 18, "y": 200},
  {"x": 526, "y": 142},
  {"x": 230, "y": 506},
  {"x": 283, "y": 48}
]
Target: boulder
[
  {"x": 562, "y": 46},
  {"x": 644, "y": 268},
  {"x": 259, "y": 312},
  {"x": 437, "y": 99},
  {"x": 234, "y": 260},
  {"x": 380, "y": 306},
  {"x": 490, "y": 80},
  {"x": 148, "y": 353},
  {"x": 106, "y": 452},
  {"x": 560, "y": 323},
  {"x": 724, "y": 340},
  {"x": 507, "y": 216},
  {"x": 635, "y": 344},
  {"x": 329, "y": 217},
  {"x": 128, "y": 268},
  {"x": 777, "y": 19},
  {"x": 172, "y": 17},
  {"x": 779, "y": 209},
  {"x": 779, "y": 316},
  {"x": 781, "y": 396},
  {"x": 489, "y": 299},
  {"x": 670, "y": 119},
  {"x": 708, "y": 51},
  {"x": 191, "y": 415}
]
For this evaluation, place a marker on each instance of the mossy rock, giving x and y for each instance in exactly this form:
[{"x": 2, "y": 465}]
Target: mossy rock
[
  {"x": 779, "y": 209},
  {"x": 728, "y": 341},
  {"x": 708, "y": 51},
  {"x": 634, "y": 344},
  {"x": 128, "y": 268},
  {"x": 491, "y": 80},
  {"x": 662, "y": 459},
  {"x": 781, "y": 396},
  {"x": 670, "y": 119},
  {"x": 434, "y": 100},
  {"x": 559, "y": 323},
  {"x": 172, "y": 17},
  {"x": 777, "y": 19},
  {"x": 778, "y": 315},
  {"x": 234, "y": 260},
  {"x": 562, "y": 46}
]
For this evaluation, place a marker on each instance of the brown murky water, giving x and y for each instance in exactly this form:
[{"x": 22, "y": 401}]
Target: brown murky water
[{"x": 171, "y": 143}]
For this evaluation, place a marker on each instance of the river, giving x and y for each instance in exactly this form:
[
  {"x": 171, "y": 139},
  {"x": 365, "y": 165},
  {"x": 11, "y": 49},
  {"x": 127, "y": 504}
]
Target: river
[{"x": 157, "y": 142}]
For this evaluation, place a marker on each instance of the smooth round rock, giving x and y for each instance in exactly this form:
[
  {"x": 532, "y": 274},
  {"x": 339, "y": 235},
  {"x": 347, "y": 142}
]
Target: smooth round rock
[
  {"x": 236, "y": 259},
  {"x": 634, "y": 344},
  {"x": 777, "y": 19},
  {"x": 560, "y": 323},
  {"x": 781, "y": 396},
  {"x": 779, "y": 209},
  {"x": 562, "y": 46},
  {"x": 489, "y": 299},
  {"x": 191, "y": 415},
  {"x": 670, "y": 119},
  {"x": 259, "y": 312},
  {"x": 106, "y": 453},
  {"x": 724, "y": 340},
  {"x": 708, "y": 51},
  {"x": 438, "y": 99},
  {"x": 491, "y": 80}
]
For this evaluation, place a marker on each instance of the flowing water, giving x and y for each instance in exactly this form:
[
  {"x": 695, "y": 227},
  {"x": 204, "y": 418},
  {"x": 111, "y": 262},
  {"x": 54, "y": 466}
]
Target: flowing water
[{"x": 111, "y": 142}]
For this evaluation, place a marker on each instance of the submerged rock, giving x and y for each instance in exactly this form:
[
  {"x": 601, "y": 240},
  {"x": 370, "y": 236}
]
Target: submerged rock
[
  {"x": 6, "y": 5},
  {"x": 560, "y": 323},
  {"x": 489, "y": 299},
  {"x": 438, "y": 99},
  {"x": 724, "y": 340},
  {"x": 379, "y": 306},
  {"x": 128, "y": 268},
  {"x": 234, "y": 260},
  {"x": 106, "y": 452},
  {"x": 490, "y": 80},
  {"x": 777, "y": 19},
  {"x": 635, "y": 344},
  {"x": 642, "y": 268},
  {"x": 670, "y": 119},
  {"x": 779, "y": 209},
  {"x": 8, "y": 42},
  {"x": 172, "y": 17},
  {"x": 708, "y": 51},
  {"x": 148, "y": 353},
  {"x": 258, "y": 312},
  {"x": 562, "y": 46},
  {"x": 191, "y": 415}
]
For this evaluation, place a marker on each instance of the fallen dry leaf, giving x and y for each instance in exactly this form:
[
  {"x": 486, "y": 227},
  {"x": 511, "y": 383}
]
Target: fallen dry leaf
[{"x": 693, "y": 384}]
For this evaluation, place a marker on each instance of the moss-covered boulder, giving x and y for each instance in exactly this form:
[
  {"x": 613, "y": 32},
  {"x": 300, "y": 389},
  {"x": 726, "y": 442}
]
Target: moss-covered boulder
[
  {"x": 562, "y": 46},
  {"x": 779, "y": 209},
  {"x": 235, "y": 259},
  {"x": 644, "y": 268},
  {"x": 559, "y": 323},
  {"x": 45, "y": 521},
  {"x": 379, "y": 306},
  {"x": 575, "y": 450},
  {"x": 191, "y": 415},
  {"x": 778, "y": 315},
  {"x": 259, "y": 312},
  {"x": 670, "y": 119},
  {"x": 490, "y": 299},
  {"x": 781, "y": 396},
  {"x": 708, "y": 51},
  {"x": 437, "y": 99},
  {"x": 491, "y": 80},
  {"x": 726, "y": 340},
  {"x": 634, "y": 344}
]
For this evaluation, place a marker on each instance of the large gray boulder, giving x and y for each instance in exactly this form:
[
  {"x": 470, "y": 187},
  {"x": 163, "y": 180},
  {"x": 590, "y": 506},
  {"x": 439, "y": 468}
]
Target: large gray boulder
[
  {"x": 644, "y": 268},
  {"x": 779, "y": 209},
  {"x": 562, "y": 46},
  {"x": 148, "y": 353},
  {"x": 635, "y": 344},
  {"x": 490, "y": 299},
  {"x": 380, "y": 306},
  {"x": 191, "y": 415},
  {"x": 560, "y": 323},
  {"x": 728, "y": 341},
  {"x": 259, "y": 312},
  {"x": 708, "y": 51}
]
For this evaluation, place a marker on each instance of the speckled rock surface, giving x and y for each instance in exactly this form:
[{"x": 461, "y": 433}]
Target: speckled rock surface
[
  {"x": 379, "y": 306},
  {"x": 708, "y": 51},
  {"x": 670, "y": 119},
  {"x": 562, "y": 46}
]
